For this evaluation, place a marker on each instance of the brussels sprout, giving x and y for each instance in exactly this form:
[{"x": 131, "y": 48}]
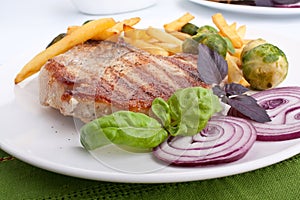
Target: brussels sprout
[
  {"x": 252, "y": 44},
  {"x": 230, "y": 47},
  {"x": 190, "y": 46},
  {"x": 190, "y": 29},
  {"x": 56, "y": 39},
  {"x": 87, "y": 21},
  {"x": 214, "y": 41},
  {"x": 264, "y": 66},
  {"x": 206, "y": 29}
]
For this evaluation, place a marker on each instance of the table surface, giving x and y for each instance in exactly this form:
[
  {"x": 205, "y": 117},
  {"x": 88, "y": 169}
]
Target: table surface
[{"x": 22, "y": 22}]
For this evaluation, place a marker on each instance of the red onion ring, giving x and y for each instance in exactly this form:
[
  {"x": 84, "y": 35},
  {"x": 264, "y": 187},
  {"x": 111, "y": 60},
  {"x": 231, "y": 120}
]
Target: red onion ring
[
  {"x": 283, "y": 107},
  {"x": 225, "y": 139}
]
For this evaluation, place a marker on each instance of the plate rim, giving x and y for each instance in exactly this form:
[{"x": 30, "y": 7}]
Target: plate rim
[
  {"x": 147, "y": 178},
  {"x": 248, "y": 9}
]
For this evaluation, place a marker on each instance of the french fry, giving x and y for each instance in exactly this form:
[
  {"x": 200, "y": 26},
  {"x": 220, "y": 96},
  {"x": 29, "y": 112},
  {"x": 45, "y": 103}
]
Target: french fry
[
  {"x": 153, "y": 49},
  {"x": 180, "y": 35},
  {"x": 226, "y": 30},
  {"x": 233, "y": 26},
  {"x": 171, "y": 48},
  {"x": 237, "y": 55},
  {"x": 71, "y": 29},
  {"x": 137, "y": 34},
  {"x": 78, "y": 36},
  {"x": 177, "y": 24},
  {"x": 112, "y": 32},
  {"x": 103, "y": 36},
  {"x": 106, "y": 35},
  {"x": 127, "y": 28},
  {"x": 163, "y": 36},
  {"x": 235, "y": 75},
  {"x": 119, "y": 27},
  {"x": 241, "y": 31}
]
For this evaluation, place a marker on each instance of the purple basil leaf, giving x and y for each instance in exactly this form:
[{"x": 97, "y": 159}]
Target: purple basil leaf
[
  {"x": 235, "y": 89},
  {"x": 212, "y": 67},
  {"x": 218, "y": 91},
  {"x": 248, "y": 106}
]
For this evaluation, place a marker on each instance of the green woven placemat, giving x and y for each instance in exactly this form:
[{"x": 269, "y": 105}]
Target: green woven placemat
[{"x": 19, "y": 180}]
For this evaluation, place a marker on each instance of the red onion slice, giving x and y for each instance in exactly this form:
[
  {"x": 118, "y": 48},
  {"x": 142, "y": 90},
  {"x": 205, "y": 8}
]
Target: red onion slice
[
  {"x": 225, "y": 139},
  {"x": 283, "y": 107}
]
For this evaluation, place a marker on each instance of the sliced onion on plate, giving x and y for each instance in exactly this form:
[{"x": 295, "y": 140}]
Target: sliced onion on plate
[
  {"x": 283, "y": 107},
  {"x": 225, "y": 139}
]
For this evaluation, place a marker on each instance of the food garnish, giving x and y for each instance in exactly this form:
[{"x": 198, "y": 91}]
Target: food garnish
[
  {"x": 187, "y": 111},
  {"x": 212, "y": 70},
  {"x": 212, "y": 67},
  {"x": 123, "y": 128}
]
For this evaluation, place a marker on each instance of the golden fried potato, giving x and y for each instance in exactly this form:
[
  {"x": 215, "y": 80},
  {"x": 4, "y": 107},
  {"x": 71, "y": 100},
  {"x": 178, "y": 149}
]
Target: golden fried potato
[
  {"x": 119, "y": 27},
  {"x": 235, "y": 75},
  {"x": 180, "y": 35},
  {"x": 163, "y": 36},
  {"x": 241, "y": 31},
  {"x": 177, "y": 24},
  {"x": 138, "y": 34},
  {"x": 227, "y": 31},
  {"x": 151, "y": 48},
  {"x": 171, "y": 48}
]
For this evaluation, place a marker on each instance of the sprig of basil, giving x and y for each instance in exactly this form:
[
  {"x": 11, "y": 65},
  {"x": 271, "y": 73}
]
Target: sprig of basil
[
  {"x": 212, "y": 69},
  {"x": 124, "y": 128},
  {"x": 187, "y": 111}
]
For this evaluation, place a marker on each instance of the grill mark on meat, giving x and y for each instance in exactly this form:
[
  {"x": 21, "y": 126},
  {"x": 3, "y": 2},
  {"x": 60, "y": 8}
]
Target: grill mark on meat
[
  {"x": 104, "y": 76},
  {"x": 137, "y": 78},
  {"x": 60, "y": 73},
  {"x": 151, "y": 71},
  {"x": 192, "y": 71}
]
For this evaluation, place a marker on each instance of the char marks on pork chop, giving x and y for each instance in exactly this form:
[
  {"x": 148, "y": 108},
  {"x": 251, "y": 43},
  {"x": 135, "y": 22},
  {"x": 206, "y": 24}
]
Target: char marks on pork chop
[{"x": 99, "y": 77}]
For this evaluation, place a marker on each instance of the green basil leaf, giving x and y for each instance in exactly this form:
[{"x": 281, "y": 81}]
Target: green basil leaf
[
  {"x": 162, "y": 111},
  {"x": 124, "y": 128},
  {"x": 190, "y": 109}
]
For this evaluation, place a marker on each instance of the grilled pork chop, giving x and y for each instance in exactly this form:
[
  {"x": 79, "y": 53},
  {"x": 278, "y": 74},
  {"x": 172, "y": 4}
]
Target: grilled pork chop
[{"x": 99, "y": 77}]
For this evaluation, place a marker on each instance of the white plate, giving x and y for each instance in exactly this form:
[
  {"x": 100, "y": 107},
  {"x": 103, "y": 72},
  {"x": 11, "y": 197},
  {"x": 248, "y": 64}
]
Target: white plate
[
  {"x": 248, "y": 9},
  {"x": 44, "y": 138}
]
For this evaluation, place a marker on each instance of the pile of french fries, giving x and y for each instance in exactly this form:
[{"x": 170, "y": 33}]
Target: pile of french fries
[{"x": 156, "y": 41}]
